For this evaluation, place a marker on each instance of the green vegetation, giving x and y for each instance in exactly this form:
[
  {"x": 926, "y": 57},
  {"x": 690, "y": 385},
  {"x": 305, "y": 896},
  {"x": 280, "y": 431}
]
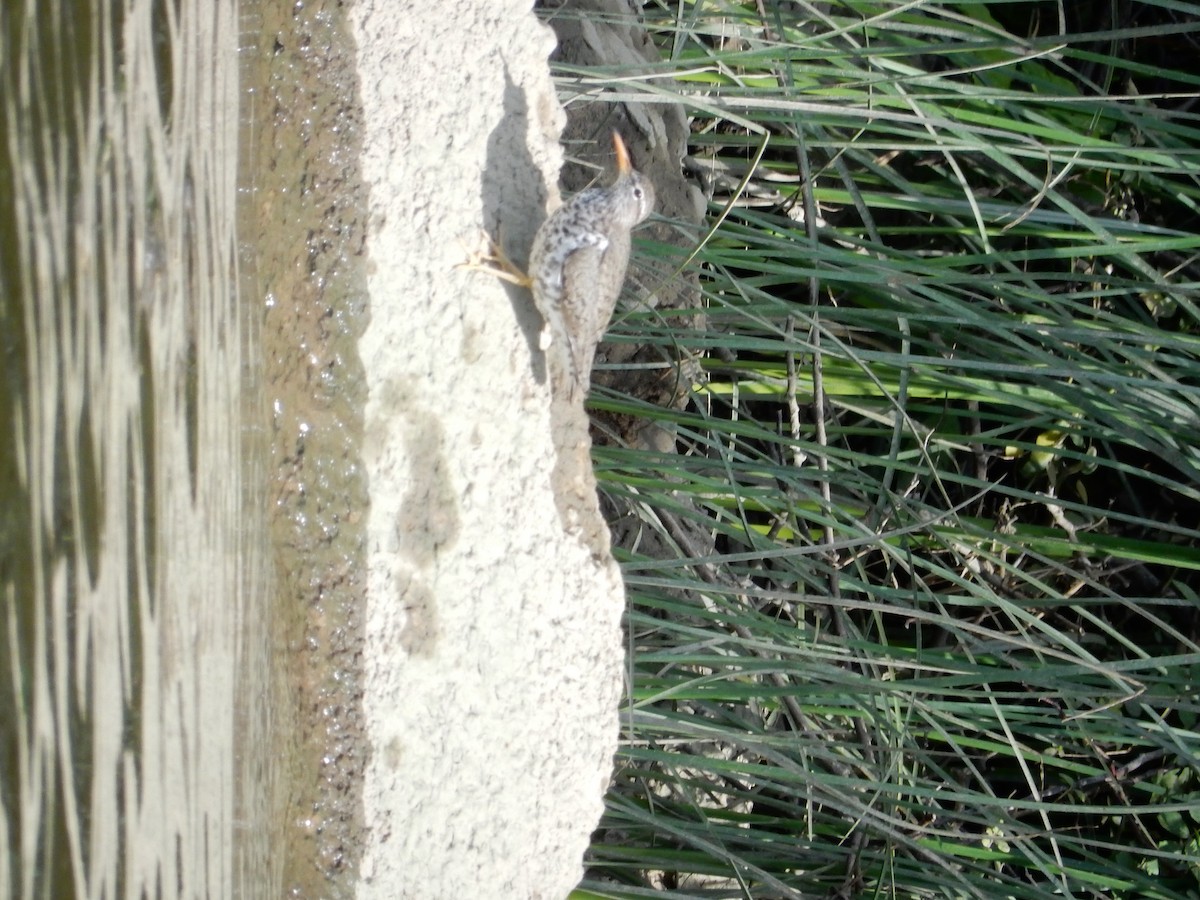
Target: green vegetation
[{"x": 913, "y": 609}]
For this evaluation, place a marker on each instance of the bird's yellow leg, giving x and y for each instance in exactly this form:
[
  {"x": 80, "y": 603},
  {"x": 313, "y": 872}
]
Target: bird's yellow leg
[{"x": 496, "y": 262}]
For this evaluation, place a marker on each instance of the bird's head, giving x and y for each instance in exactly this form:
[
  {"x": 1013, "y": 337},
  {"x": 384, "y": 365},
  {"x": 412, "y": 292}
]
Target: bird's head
[{"x": 632, "y": 191}]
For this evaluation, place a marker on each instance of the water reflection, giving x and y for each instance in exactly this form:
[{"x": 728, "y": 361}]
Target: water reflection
[{"x": 131, "y": 518}]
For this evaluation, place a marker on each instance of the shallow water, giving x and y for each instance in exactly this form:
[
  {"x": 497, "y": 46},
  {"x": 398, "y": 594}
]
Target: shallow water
[{"x": 136, "y": 685}]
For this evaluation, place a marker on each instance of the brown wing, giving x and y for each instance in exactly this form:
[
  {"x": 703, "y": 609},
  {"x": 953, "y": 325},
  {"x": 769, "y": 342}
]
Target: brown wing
[
  {"x": 592, "y": 279},
  {"x": 582, "y": 297}
]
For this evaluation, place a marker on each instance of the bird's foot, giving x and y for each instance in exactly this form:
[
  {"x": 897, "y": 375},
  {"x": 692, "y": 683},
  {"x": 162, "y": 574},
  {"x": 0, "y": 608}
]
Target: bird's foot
[{"x": 494, "y": 260}]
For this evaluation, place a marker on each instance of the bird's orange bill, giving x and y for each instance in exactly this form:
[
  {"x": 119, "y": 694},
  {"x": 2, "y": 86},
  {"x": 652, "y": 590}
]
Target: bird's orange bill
[{"x": 623, "y": 164}]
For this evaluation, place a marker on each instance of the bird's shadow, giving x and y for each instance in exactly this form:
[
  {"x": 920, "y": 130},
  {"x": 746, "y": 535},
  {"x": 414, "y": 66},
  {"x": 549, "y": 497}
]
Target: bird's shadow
[{"x": 514, "y": 206}]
